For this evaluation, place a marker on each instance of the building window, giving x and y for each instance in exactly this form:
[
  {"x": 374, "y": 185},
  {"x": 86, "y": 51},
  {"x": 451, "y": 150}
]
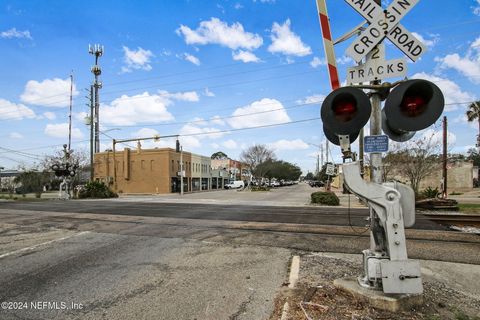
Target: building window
[
  {"x": 152, "y": 164},
  {"x": 173, "y": 167},
  {"x": 142, "y": 164}
]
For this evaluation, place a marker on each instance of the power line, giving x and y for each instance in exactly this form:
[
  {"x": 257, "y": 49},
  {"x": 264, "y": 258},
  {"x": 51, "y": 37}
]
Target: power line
[{"x": 227, "y": 117}]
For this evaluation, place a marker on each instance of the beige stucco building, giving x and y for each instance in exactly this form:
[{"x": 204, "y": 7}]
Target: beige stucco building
[
  {"x": 460, "y": 175},
  {"x": 154, "y": 171}
]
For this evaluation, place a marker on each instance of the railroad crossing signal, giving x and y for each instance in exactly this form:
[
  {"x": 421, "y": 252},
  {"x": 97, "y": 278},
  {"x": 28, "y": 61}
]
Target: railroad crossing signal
[
  {"x": 385, "y": 23},
  {"x": 413, "y": 105},
  {"x": 344, "y": 112}
]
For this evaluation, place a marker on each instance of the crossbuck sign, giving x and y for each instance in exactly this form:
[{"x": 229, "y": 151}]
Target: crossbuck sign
[{"x": 384, "y": 23}]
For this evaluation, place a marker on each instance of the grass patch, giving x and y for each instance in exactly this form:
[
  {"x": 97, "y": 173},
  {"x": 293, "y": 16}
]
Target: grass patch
[
  {"x": 24, "y": 199},
  {"x": 473, "y": 208},
  {"x": 456, "y": 193}
]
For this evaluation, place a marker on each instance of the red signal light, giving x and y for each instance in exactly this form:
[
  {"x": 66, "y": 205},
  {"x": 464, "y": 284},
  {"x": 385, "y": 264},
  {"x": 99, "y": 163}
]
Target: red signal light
[
  {"x": 345, "y": 110},
  {"x": 413, "y": 106}
]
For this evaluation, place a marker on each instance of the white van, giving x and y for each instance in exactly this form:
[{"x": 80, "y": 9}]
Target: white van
[{"x": 235, "y": 185}]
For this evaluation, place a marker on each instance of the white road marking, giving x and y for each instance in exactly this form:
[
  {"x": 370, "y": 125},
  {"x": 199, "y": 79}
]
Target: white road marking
[
  {"x": 285, "y": 311},
  {"x": 294, "y": 270},
  {"x": 42, "y": 244}
]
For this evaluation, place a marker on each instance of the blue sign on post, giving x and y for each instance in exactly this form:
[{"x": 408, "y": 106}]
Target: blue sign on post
[{"x": 376, "y": 144}]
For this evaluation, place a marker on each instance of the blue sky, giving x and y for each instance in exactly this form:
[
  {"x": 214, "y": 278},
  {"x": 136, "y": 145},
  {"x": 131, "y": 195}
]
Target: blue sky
[{"x": 194, "y": 67}]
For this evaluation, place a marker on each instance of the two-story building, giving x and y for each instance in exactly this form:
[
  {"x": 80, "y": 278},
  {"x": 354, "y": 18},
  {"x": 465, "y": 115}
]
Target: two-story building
[{"x": 153, "y": 171}]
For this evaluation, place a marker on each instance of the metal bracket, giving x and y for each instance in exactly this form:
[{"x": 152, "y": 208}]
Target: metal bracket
[
  {"x": 390, "y": 203},
  {"x": 346, "y": 147}
]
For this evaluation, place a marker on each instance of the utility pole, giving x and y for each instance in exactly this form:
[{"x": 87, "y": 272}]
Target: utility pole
[
  {"x": 70, "y": 114},
  {"x": 321, "y": 154},
  {"x": 92, "y": 125},
  {"x": 181, "y": 170},
  {"x": 97, "y": 51},
  {"x": 445, "y": 137}
]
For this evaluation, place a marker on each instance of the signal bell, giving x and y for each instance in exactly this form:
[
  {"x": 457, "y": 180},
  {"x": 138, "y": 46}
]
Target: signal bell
[
  {"x": 413, "y": 105},
  {"x": 345, "y": 111}
]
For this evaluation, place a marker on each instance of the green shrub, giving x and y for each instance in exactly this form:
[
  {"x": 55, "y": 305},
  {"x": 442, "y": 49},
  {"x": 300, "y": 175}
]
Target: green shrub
[
  {"x": 326, "y": 198},
  {"x": 430, "y": 193},
  {"x": 260, "y": 188},
  {"x": 96, "y": 189}
]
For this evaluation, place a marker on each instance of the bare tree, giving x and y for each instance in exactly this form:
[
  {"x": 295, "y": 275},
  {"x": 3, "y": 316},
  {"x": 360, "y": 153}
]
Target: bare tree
[
  {"x": 255, "y": 156},
  {"x": 415, "y": 161}
]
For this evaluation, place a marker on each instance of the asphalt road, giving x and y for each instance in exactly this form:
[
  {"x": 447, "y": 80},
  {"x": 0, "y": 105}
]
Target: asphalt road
[
  {"x": 93, "y": 275},
  {"x": 127, "y": 260}
]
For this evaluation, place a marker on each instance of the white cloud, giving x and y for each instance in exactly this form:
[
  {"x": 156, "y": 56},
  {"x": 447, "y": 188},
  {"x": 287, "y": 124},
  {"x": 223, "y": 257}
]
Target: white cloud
[
  {"x": 245, "y": 56},
  {"x": 49, "y": 115},
  {"x": 286, "y": 42},
  {"x": 218, "y": 121},
  {"x": 215, "y": 146},
  {"x": 50, "y": 92},
  {"x": 13, "y": 111},
  {"x": 316, "y": 62},
  {"x": 428, "y": 138},
  {"x": 60, "y": 130},
  {"x": 230, "y": 144},
  {"x": 316, "y": 98},
  {"x": 191, "y": 58},
  {"x": 208, "y": 93},
  {"x": 137, "y": 59},
  {"x": 296, "y": 144},
  {"x": 215, "y": 31},
  {"x": 428, "y": 42},
  {"x": 256, "y": 114},
  {"x": 265, "y": 1},
  {"x": 451, "y": 90},
  {"x": 190, "y": 96},
  {"x": 15, "y": 135},
  {"x": 199, "y": 121},
  {"x": 194, "y": 135},
  {"x": 80, "y": 116},
  {"x": 344, "y": 60},
  {"x": 476, "y": 10},
  {"x": 145, "y": 133},
  {"x": 14, "y": 33},
  {"x": 238, "y": 6},
  {"x": 142, "y": 108},
  {"x": 151, "y": 144},
  {"x": 468, "y": 65}
]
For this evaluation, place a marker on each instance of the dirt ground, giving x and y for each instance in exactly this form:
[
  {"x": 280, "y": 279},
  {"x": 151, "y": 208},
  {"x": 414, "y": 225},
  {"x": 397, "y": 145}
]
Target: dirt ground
[{"x": 315, "y": 297}]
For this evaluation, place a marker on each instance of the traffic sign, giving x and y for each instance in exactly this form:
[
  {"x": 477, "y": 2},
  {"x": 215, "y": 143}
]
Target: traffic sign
[
  {"x": 376, "y": 144},
  {"x": 376, "y": 68},
  {"x": 385, "y": 23},
  {"x": 330, "y": 170}
]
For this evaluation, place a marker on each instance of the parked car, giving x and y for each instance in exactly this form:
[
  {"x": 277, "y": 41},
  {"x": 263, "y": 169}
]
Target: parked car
[
  {"x": 316, "y": 183},
  {"x": 235, "y": 185},
  {"x": 274, "y": 183}
]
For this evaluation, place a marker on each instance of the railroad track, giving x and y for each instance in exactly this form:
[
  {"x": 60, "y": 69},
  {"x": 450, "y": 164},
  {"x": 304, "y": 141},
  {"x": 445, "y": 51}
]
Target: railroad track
[{"x": 471, "y": 220}]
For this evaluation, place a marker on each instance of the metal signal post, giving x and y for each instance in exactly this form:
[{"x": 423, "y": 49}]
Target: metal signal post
[{"x": 410, "y": 105}]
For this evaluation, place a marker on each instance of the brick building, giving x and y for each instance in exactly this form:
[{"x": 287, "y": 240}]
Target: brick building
[{"x": 154, "y": 171}]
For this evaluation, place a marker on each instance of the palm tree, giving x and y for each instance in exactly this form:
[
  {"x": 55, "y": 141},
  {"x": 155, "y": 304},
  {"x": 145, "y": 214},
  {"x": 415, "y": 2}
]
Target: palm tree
[{"x": 473, "y": 113}]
